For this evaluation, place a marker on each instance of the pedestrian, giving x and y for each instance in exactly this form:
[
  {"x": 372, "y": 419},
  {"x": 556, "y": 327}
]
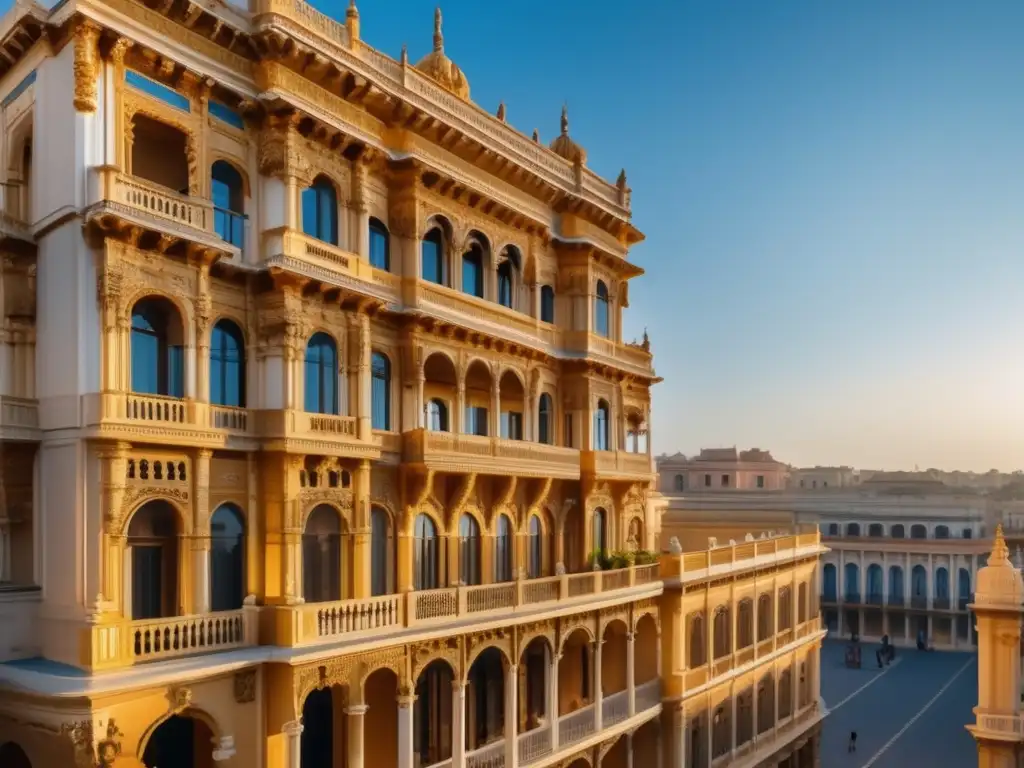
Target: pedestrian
[{"x": 852, "y": 747}]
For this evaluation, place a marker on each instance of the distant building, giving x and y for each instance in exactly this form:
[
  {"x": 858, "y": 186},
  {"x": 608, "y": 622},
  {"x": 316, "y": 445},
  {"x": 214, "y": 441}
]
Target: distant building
[
  {"x": 813, "y": 478},
  {"x": 717, "y": 470}
]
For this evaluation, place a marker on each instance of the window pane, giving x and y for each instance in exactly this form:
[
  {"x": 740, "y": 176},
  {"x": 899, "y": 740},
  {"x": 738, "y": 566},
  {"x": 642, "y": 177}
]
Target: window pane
[
  {"x": 431, "y": 260},
  {"x": 379, "y": 248},
  {"x": 547, "y": 304},
  {"x": 310, "y": 224}
]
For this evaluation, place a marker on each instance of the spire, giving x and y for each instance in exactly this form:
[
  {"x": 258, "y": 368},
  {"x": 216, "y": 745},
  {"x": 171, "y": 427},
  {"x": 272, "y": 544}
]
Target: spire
[
  {"x": 405, "y": 55},
  {"x": 536, "y": 136},
  {"x": 352, "y": 11},
  {"x": 621, "y": 183},
  {"x": 352, "y": 20},
  {"x": 438, "y": 35},
  {"x": 1000, "y": 552},
  {"x": 565, "y": 119},
  {"x": 501, "y": 111}
]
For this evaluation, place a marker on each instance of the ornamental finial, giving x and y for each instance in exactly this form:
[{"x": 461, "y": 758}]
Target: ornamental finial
[
  {"x": 405, "y": 55},
  {"x": 565, "y": 119},
  {"x": 1000, "y": 552},
  {"x": 352, "y": 11},
  {"x": 501, "y": 111},
  {"x": 621, "y": 183},
  {"x": 438, "y": 35},
  {"x": 536, "y": 136}
]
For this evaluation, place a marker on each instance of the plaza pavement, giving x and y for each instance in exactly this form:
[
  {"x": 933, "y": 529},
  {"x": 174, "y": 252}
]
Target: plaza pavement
[{"x": 906, "y": 715}]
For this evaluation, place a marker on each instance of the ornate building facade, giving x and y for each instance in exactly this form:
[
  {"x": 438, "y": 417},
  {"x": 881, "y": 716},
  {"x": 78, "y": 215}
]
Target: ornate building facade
[{"x": 322, "y": 444}]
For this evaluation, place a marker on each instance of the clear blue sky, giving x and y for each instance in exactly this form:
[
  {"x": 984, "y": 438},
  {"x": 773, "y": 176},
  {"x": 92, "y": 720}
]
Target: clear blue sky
[{"x": 832, "y": 194}]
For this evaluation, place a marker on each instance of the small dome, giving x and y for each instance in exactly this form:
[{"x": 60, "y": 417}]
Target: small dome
[
  {"x": 999, "y": 583},
  {"x": 565, "y": 146},
  {"x": 439, "y": 67}
]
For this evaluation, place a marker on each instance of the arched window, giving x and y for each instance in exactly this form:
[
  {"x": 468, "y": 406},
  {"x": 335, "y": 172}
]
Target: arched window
[
  {"x": 801, "y": 602},
  {"x": 853, "y": 529},
  {"x": 898, "y": 531},
  {"x": 876, "y": 530},
  {"x": 745, "y": 624},
  {"x": 227, "y": 559},
  {"x": 600, "y": 531},
  {"x": 381, "y": 546},
  {"x": 680, "y": 483},
  {"x": 321, "y": 556},
  {"x": 601, "y": 310},
  {"x": 721, "y": 632},
  {"x": 942, "y": 532},
  {"x": 508, "y": 273},
  {"x": 321, "y": 374},
  {"x": 432, "y": 257},
  {"x": 967, "y": 533},
  {"x": 153, "y": 543},
  {"x": 829, "y": 590},
  {"x": 545, "y": 420},
  {"x": 380, "y": 245},
  {"x": 602, "y": 419},
  {"x": 503, "y": 552},
  {"x": 875, "y": 584},
  {"x": 852, "y": 586},
  {"x": 547, "y": 304},
  {"x": 158, "y": 358},
  {"x": 963, "y": 586},
  {"x": 320, "y": 210},
  {"x": 437, "y": 416},
  {"x": 536, "y": 548},
  {"x": 833, "y": 529},
  {"x": 473, "y": 271},
  {"x": 895, "y": 585},
  {"x": 380, "y": 393},
  {"x": 942, "y": 584},
  {"x": 785, "y": 694},
  {"x": 764, "y": 617},
  {"x": 425, "y": 563},
  {"x": 228, "y": 193},
  {"x": 918, "y": 531},
  {"x": 785, "y": 612},
  {"x": 919, "y": 582},
  {"x": 697, "y": 641},
  {"x": 469, "y": 550},
  {"x": 227, "y": 365}
]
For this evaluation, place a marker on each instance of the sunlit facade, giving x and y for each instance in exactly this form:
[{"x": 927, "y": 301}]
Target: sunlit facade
[{"x": 322, "y": 442}]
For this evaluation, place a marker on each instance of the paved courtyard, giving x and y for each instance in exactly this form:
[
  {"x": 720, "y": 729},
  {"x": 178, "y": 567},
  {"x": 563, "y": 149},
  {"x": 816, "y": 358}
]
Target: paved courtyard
[{"x": 911, "y": 713}]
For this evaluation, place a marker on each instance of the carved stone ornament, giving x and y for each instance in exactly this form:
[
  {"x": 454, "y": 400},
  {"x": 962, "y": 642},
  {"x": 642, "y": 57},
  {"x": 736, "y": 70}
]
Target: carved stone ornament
[
  {"x": 86, "y": 66},
  {"x": 245, "y": 686}
]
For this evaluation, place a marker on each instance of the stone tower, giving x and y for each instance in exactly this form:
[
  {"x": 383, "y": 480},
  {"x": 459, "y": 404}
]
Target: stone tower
[{"x": 997, "y": 609}]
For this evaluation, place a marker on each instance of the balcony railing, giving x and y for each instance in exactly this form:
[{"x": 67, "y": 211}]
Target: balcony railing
[
  {"x": 737, "y": 556},
  {"x": 490, "y": 756},
  {"x": 617, "y": 463},
  {"x": 153, "y": 201},
  {"x": 130, "y": 642},
  {"x": 614, "y": 709},
  {"x": 874, "y": 598},
  {"x": 490, "y": 454},
  {"x": 919, "y": 602},
  {"x": 19, "y": 417},
  {"x": 896, "y": 601},
  {"x": 312, "y": 623}
]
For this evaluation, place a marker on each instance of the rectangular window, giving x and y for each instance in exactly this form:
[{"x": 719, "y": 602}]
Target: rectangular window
[
  {"x": 760, "y": 481},
  {"x": 472, "y": 277},
  {"x": 725, "y": 481},
  {"x": 157, "y": 90},
  {"x": 226, "y": 114},
  {"x": 379, "y": 402},
  {"x": 378, "y": 249},
  {"x": 568, "y": 431},
  {"x": 512, "y": 425},
  {"x": 707, "y": 481},
  {"x": 476, "y": 421}
]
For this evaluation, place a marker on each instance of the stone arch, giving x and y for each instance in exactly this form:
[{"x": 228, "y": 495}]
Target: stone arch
[
  {"x": 392, "y": 662},
  {"x": 440, "y": 653},
  {"x": 344, "y": 514},
  {"x": 219, "y": 155},
  {"x": 182, "y": 305},
  {"x": 475, "y": 653},
  {"x": 438, "y": 220},
  {"x": 510, "y": 510},
  {"x": 134, "y": 506},
  {"x": 231, "y": 317},
  {"x": 432, "y": 509},
  {"x": 530, "y": 636},
  {"x": 571, "y": 630},
  {"x": 606, "y": 622},
  {"x": 647, "y": 609},
  {"x": 473, "y": 511},
  {"x": 191, "y": 712}
]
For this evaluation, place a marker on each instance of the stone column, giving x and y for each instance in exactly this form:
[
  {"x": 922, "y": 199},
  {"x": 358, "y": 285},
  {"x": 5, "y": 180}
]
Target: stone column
[
  {"x": 360, "y": 363},
  {"x": 553, "y": 699},
  {"x": 511, "y": 716},
  {"x": 458, "y": 724},
  {"x": 201, "y": 536},
  {"x": 598, "y": 694},
  {"x": 458, "y": 419},
  {"x": 659, "y": 746},
  {"x": 629, "y": 750},
  {"x": 494, "y": 428},
  {"x": 405, "y": 731},
  {"x": 421, "y": 403},
  {"x": 361, "y": 545},
  {"x": 631, "y": 671},
  {"x": 356, "y": 717},
  {"x": 293, "y": 732}
]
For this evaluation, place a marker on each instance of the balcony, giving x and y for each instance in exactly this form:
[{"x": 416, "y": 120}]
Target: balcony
[
  {"x": 874, "y": 598},
  {"x": 852, "y": 598},
  {"x": 19, "y": 418},
  {"x": 606, "y": 350},
  {"x": 617, "y": 465},
  {"x": 694, "y": 566},
  {"x": 919, "y": 602},
  {"x": 125, "y": 200},
  {"x": 125, "y": 643},
  {"x": 165, "y": 420},
  {"x": 293, "y": 431},
  {"x": 374, "y": 618},
  {"x": 896, "y": 601},
  {"x": 451, "y": 452}
]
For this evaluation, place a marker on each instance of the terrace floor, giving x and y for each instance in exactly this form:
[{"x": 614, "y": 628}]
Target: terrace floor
[{"x": 907, "y": 714}]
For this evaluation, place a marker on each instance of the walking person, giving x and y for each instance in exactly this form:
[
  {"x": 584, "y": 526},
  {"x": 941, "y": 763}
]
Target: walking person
[{"x": 852, "y": 746}]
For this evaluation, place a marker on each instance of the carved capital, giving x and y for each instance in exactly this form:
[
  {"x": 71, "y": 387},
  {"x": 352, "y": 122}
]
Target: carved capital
[{"x": 86, "y": 66}]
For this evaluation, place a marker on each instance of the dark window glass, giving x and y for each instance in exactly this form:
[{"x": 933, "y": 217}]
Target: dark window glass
[
  {"x": 512, "y": 425},
  {"x": 228, "y": 203},
  {"x": 321, "y": 556},
  {"x": 380, "y": 551},
  {"x": 425, "y": 566},
  {"x": 158, "y": 358},
  {"x": 547, "y": 304},
  {"x": 437, "y": 416},
  {"x": 476, "y": 420},
  {"x": 321, "y": 375},
  {"x": 227, "y": 559},
  {"x": 380, "y": 395},
  {"x": 601, "y": 309},
  {"x": 320, "y": 211},
  {"x": 432, "y": 257},
  {"x": 601, "y": 442},
  {"x": 472, "y": 272},
  {"x": 545, "y": 420},
  {"x": 469, "y": 550},
  {"x": 600, "y": 530},
  {"x": 503, "y": 550},
  {"x": 380, "y": 253},
  {"x": 227, "y": 365}
]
